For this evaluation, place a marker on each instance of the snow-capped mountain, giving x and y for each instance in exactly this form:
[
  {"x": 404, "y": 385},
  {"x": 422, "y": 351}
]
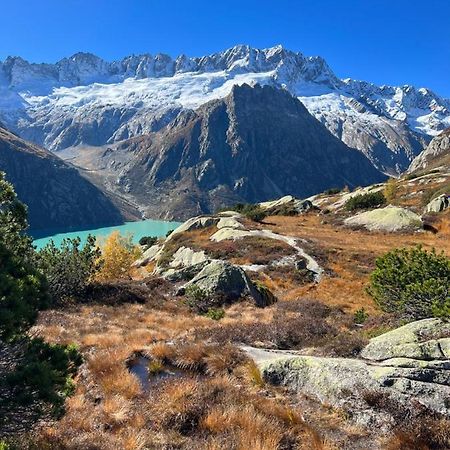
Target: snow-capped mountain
[{"x": 86, "y": 100}]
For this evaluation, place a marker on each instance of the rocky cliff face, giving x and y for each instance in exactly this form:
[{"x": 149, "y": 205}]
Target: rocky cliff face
[
  {"x": 255, "y": 144},
  {"x": 56, "y": 195},
  {"x": 86, "y": 100},
  {"x": 437, "y": 154}
]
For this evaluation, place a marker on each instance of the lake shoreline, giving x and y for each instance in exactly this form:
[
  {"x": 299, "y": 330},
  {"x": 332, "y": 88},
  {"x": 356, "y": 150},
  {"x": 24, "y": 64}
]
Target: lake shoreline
[{"x": 137, "y": 229}]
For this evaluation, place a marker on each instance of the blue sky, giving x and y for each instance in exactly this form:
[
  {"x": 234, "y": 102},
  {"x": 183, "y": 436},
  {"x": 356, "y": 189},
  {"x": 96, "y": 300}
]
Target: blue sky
[{"x": 386, "y": 42}]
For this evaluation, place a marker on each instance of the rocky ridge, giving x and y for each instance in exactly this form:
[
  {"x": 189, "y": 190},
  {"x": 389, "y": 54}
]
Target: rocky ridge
[{"x": 86, "y": 100}]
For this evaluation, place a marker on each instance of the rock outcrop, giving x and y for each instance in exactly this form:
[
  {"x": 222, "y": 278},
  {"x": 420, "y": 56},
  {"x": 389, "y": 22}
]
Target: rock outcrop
[
  {"x": 407, "y": 366},
  {"x": 57, "y": 196},
  {"x": 436, "y": 155},
  {"x": 438, "y": 204},
  {"x": 427, "y": 339},
  {"x": 220, "y": 278},
  {"x": 390, "y": 219}
]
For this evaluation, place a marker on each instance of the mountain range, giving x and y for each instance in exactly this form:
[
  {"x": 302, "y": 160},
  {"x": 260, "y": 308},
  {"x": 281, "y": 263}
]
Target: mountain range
[
  {"x": 154, "y": 136},
  {"x": 84, "y": 100}
]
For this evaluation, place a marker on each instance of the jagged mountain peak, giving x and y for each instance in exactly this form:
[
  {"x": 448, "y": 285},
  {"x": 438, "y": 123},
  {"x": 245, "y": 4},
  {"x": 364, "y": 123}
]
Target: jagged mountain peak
[{"x": 84, "y": 99}]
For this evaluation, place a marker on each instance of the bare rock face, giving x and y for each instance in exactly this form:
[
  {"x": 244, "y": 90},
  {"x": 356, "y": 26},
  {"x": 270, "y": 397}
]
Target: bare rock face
[
  {"x": 229, "y": 281},
  {"x": 437, "y": 154},
  {"x": 256, "y": 144},
  {"x": 438, "y": 204},
  {"x": 391, "y": 219},
  {"x": 57, "y": 196}
]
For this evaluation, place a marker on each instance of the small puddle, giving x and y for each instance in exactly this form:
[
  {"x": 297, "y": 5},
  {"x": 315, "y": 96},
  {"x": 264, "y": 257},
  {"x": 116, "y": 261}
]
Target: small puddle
[{"x": 151, "y": 375}]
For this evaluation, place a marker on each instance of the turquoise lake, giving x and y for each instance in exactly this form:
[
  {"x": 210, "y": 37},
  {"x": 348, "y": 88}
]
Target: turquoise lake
[{"x": 137, "y": 229}]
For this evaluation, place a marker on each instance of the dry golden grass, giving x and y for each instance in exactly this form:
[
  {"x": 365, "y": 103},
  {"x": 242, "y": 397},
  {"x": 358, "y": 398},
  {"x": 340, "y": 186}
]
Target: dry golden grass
[{"x": 349, "y": 255}]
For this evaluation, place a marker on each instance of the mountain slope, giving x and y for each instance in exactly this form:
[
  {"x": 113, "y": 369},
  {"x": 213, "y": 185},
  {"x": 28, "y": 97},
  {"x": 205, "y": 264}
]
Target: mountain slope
[
  {"x": 86, "y": 100},
  {"x": 255, "y": 144},
  {"x": 437, "y": 154},
  {"x": 56, "y": 195}
]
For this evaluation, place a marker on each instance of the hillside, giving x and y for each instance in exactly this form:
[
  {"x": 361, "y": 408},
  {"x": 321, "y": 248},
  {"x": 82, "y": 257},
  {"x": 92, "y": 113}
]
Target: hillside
[{"x": 56, "y": 195}]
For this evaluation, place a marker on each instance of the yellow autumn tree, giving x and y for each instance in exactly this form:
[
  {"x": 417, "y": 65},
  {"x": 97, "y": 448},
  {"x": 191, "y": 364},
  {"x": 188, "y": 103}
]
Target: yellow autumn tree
[
  {"x": 118, "y": 254},
  {"x": 390, "y": 189}
]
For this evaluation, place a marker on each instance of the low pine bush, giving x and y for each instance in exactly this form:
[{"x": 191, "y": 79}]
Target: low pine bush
[
  {"x": 45, "y": 372},
  {"x": 147, "y": 241},
  {"x": 365, "y": 201},
  {"x": 413, "y": 282},
  {"x": 68, "y": 268}
]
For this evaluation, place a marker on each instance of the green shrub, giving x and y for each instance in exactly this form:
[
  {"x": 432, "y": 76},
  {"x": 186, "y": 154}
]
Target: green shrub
[
  {"x": 215, "y": 313},
  {"x": 267, "y": 297},
  {"x": 256, "y": 214},
  {"x": 251, "y": 211},
  {"x": 147, "y": 241},
  {"x": 365, "y": 201},
  {"x": 413, "y": 282},
  {"x": 195, "y": 295},
  {"x": 46, "y": 371},
  {"x": 169, "y": 233},
  {"x": 288, "y": 209},
  {"x": 22, "y": 288},
  {"x": 69, "y": 268},
  {"x": 360, "y": 316}
]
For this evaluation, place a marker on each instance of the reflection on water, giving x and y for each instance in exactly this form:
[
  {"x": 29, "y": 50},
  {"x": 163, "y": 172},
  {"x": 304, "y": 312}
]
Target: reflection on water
[{"x": 150, "y": 373}]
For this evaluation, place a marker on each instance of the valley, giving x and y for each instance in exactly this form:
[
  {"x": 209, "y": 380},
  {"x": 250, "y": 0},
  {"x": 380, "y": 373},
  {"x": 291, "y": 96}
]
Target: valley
[{"x": 237, "y": 251}]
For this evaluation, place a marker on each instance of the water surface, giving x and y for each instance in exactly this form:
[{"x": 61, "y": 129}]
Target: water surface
[{"x": 137, "y": 229}]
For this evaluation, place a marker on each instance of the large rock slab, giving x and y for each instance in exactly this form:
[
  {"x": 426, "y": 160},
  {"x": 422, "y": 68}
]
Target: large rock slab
[
  {"x": 185, "y": 257},
  {"x": 390, "y": 218},
  {"x": 347, "y": 383},
  {"x": 407, "y": 366},
  {"x": 230, "y": 222},
  {"x": 194, "y": 223},
  {"x": 427, "y": 339},
  {"x": 230, "y": 233},
  {"x": 149, "y": 255}
]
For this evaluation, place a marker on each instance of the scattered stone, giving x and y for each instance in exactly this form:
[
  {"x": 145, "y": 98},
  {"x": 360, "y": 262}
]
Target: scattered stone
[
  {"x": 148, "y": 255},
  {"x": 301, "y": 264},
  {"x": 186, "y": 273},
  {"x": 229, "y": 233},
  {"x": 230, "y": 222},
  {"x": 195, "y": 223},
  {"x": 286, "y": 200},
  {"x": 185, "y": 256}
]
